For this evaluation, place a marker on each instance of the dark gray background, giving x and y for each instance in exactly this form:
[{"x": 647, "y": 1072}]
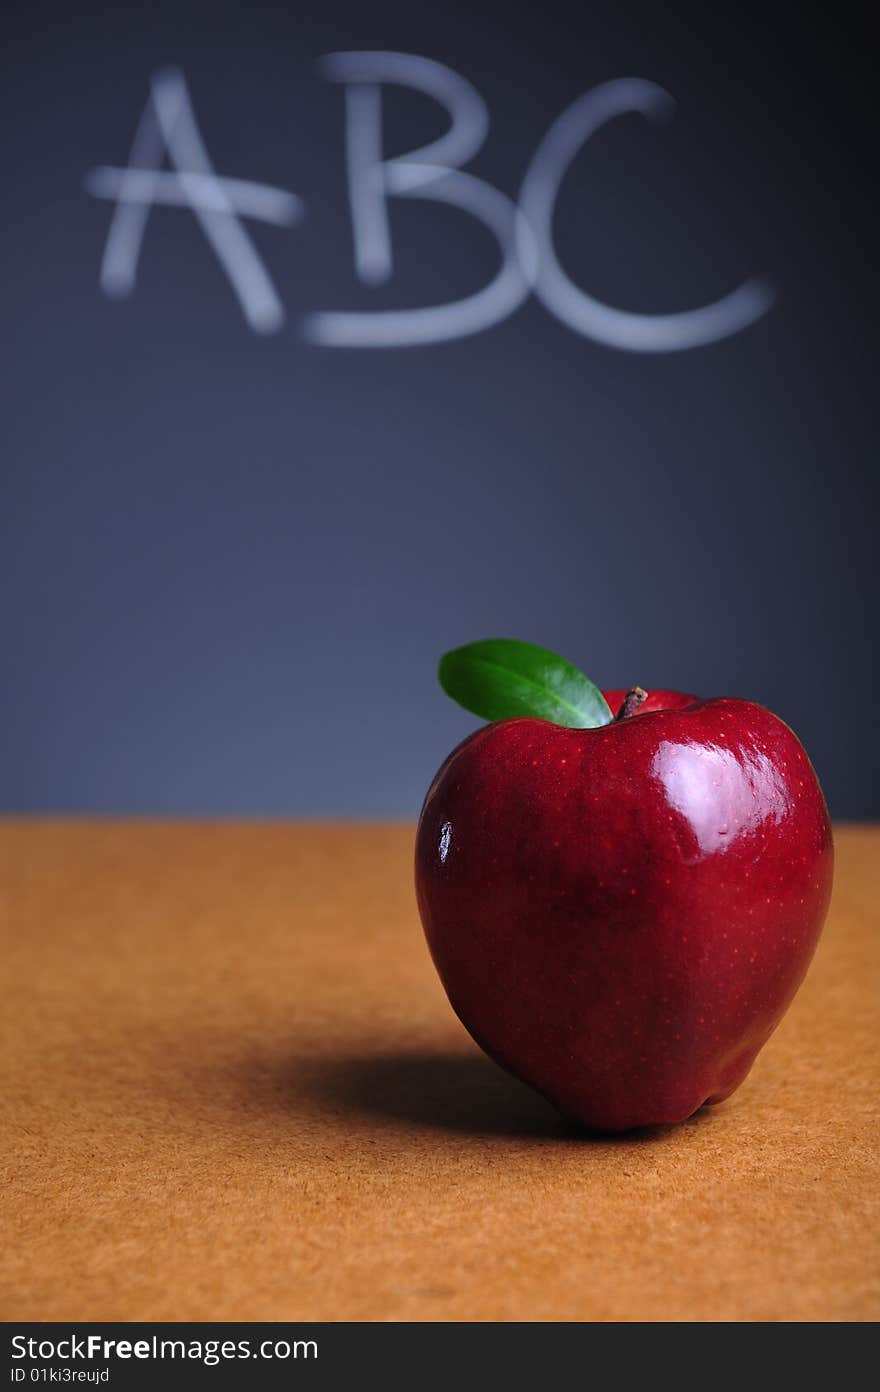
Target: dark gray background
[{"x": 230, "y": 561}]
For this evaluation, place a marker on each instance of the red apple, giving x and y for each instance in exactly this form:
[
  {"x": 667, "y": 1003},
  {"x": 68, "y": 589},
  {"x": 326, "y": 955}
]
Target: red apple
[{"x": 621, "y": 915}]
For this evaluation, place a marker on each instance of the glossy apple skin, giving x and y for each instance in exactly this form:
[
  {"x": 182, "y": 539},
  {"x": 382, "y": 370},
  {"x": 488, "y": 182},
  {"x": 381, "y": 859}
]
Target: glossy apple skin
[{"x": 621, "y": 916}]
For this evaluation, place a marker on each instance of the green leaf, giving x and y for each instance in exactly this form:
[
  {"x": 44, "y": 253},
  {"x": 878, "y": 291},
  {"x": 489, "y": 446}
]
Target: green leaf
[{"x": 501, "y": 677}]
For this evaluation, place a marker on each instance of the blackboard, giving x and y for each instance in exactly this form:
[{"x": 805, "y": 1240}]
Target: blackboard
[{"x": 338, "y": 335}]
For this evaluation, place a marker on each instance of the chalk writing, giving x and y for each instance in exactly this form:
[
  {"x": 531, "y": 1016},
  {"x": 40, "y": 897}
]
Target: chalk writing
[{"x": 522, "y": 227}]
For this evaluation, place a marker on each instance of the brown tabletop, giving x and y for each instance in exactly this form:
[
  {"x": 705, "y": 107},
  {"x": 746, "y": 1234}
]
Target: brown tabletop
[{"x": 235, "y": 1090}]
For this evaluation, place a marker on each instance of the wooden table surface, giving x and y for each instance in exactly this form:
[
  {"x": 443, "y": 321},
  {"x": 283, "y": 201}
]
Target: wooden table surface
[{"x": 235, "y": 1090}]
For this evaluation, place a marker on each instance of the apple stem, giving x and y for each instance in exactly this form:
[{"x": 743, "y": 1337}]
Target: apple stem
[{"x": 631, "y": 703}]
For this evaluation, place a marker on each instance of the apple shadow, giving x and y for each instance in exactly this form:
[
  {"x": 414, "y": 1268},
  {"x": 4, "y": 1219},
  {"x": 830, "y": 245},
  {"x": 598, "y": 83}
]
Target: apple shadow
[
  {"x": 458, "y": 1092},
  {"x": 465, "y": 1093}
]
